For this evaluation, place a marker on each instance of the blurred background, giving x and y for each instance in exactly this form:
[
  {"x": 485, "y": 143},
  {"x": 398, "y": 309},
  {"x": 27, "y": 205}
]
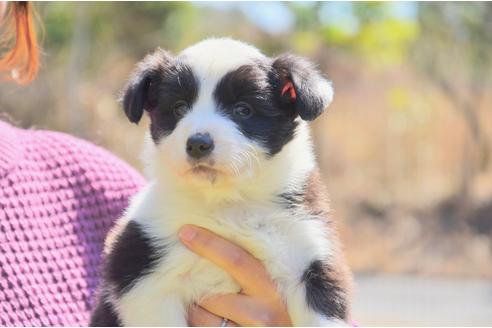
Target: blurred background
[{"x": 404, "y": 148}]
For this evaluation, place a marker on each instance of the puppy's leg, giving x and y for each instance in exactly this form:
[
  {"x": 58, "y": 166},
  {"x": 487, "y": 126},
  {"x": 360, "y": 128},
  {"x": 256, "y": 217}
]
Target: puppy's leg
[
  {"x": 321, "y": 299},
  {"x": 104, "y": 314}
]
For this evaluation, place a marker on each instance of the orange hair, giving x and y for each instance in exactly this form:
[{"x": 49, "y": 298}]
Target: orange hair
[{"x": 21, "y": 62}]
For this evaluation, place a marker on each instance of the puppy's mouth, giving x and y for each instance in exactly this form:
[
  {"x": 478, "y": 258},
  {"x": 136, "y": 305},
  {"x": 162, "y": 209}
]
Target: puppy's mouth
[{"x": 205, "y": 171}]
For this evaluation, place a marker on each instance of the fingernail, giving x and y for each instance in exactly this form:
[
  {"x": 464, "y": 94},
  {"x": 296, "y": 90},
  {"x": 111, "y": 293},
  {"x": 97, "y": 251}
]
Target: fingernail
[{"x": 187, "y": 233}]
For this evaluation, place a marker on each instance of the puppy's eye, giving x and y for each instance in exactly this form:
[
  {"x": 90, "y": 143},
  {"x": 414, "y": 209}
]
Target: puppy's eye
[
  {"x": 242, "y": 110},
  {"x": 180, "y": 108}
]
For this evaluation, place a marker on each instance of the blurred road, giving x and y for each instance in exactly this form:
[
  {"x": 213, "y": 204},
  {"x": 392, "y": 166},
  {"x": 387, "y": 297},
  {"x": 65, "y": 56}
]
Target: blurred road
[{"x": 415, "y": 301}]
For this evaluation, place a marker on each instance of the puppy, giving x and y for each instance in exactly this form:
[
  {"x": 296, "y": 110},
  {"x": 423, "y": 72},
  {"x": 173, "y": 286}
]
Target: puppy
[{"x": 228, "y": 149}]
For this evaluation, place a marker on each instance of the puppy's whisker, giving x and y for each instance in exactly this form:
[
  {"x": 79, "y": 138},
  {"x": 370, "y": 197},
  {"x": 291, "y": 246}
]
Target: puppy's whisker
[
  {"x": 249, "y": 157},
  {"x": 234, "y": 165},
  {"x": 254, "y": 153}
]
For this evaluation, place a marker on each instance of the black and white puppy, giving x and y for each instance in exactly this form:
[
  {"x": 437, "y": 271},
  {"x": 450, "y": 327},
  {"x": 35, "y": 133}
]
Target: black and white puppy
[{"x": 228, "y": 150}]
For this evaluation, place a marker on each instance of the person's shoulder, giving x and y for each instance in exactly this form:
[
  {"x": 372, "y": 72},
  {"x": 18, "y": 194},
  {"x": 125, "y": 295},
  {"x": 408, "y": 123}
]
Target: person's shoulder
[
  {"x": 85, "y": 153},
  {"x": 67, "y": 156}
]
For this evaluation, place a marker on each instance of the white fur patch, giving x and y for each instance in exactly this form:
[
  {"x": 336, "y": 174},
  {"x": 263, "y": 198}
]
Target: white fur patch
[{"x": 209, "y": 60}]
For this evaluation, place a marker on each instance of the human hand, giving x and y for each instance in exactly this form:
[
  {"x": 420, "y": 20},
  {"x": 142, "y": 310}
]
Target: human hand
[{"x": 258, "y": 303}]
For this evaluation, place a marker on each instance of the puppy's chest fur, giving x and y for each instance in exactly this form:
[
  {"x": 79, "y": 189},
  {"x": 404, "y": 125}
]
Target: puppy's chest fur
[
  {"x": 146, "y": 260},
  {"x": 283, "y": 239}
]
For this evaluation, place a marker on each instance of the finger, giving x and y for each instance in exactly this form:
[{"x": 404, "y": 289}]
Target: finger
[
  {"x": 244, "y": 310},
  {"x": 249, "y": 273},
  {"x": 199, "y": 317}
]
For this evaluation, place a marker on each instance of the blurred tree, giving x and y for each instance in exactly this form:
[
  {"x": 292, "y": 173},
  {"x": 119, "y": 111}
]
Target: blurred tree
[
  {"x": 77, "y": 62},
  {"x": 305, "y": 37},
  {"x": 454, "y": 51},
  {"x": 370, "y": 32},
  {"x": 131, "y": 27}
]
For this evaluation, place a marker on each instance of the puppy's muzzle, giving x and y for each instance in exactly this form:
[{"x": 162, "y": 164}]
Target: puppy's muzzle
[{"x": 199, "y": 145}]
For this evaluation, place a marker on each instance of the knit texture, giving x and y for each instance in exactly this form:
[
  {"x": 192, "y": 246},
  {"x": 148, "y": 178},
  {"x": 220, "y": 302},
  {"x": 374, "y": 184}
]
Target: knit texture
[{"x": 59, "y": 196}]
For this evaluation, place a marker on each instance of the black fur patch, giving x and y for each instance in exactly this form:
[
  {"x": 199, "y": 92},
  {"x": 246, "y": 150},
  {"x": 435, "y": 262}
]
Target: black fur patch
[
  {"x": 104, "y": 315},
  {"x": 177, "y": 83},
  {"x": 324, "y": 294},
  {"x": 292, "y": 199},
  {"x": 157, "y": 83},
  {"x": 295, "y": 200},
  {"x": 270, "y": 125},
  {"x": 133, "y": 255},
  {"x": 311, "y": 100}
]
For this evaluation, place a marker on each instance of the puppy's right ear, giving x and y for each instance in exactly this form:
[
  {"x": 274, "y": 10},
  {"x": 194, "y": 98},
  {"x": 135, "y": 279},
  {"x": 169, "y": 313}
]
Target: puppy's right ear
[
  {"x": 300, "y": 87},
  {"x": 141, "y": 90}
]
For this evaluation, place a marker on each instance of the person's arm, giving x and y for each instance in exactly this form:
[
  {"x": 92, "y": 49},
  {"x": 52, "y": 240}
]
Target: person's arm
[{"x": 258, "y": 303}]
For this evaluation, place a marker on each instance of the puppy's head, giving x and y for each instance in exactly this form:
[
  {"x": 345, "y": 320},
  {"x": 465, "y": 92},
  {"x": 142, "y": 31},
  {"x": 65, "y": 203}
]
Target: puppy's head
[{"x": 220, "y": 109}]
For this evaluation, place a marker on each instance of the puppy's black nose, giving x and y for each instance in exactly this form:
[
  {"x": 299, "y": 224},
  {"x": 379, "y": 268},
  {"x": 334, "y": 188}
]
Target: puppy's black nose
[{"x": 199, "y": 145}]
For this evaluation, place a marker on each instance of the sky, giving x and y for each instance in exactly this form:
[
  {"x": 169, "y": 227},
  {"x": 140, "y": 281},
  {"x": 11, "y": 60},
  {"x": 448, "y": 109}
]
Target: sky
[{"x": 332, "y": 13}]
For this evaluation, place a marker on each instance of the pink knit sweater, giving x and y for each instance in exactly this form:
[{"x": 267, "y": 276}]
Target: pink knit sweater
[{"x": 58, "y": 197}]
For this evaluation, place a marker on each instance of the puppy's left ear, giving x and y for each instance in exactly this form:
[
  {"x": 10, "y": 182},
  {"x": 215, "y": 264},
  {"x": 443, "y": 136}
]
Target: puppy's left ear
[
  {"x": 140, "y": 92},
  {"x": 300, "y": 87}
]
